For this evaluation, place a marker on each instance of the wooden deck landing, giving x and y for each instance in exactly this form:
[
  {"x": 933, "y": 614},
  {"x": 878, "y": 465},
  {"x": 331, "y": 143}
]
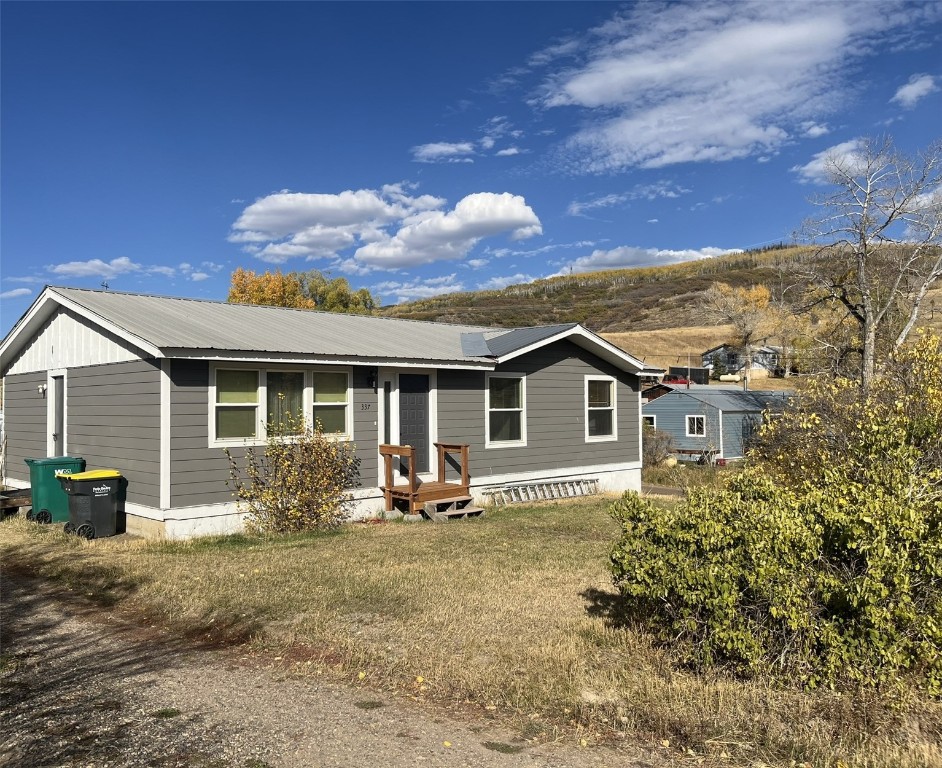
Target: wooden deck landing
[{"x": 414, "y": 496}]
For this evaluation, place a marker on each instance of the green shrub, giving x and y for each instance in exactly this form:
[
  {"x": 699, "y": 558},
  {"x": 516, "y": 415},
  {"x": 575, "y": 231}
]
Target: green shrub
[
  {"x": 821, "y": 565},
  {"x": 301, "y": 481}
]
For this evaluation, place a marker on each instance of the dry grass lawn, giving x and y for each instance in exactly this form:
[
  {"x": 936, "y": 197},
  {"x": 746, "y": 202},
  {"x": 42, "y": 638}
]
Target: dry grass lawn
[{"x": 512, "y": 615}]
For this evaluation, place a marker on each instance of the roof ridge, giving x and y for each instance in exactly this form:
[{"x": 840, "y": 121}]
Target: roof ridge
[{"x": 276, "y": 307}]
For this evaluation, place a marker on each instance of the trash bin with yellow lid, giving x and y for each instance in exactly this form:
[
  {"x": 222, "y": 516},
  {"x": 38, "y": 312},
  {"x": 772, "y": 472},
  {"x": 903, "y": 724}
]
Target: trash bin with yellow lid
[{"x": 93, "y": 502}]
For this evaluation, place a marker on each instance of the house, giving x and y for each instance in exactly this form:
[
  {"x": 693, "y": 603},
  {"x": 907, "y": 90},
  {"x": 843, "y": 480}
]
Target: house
[
  {"x": 711, "y": 423},
  {"x": 731, "y": 357},
  {"x": 158, "y": 387}
]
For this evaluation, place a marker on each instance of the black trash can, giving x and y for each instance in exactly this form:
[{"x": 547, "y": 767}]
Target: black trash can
[{"x": 93, "y": 502}]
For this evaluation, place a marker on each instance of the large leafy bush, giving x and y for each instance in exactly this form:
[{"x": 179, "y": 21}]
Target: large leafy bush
[{"x": 821, "y": 562}]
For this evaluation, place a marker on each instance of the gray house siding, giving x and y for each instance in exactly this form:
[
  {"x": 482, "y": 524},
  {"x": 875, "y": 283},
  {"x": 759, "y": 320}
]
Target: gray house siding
[
  {"x": 198, "y": 472},
  {"x": 24, "y": 415},
  {"x": 671, "y": 411},
  {"x": 113, "y": 416},
  {"x": 738, "y": 429},
  {"x": 555, "y": 413}
]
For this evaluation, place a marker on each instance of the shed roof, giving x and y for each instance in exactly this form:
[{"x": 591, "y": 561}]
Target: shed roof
[{"x": 164, "y": 326}]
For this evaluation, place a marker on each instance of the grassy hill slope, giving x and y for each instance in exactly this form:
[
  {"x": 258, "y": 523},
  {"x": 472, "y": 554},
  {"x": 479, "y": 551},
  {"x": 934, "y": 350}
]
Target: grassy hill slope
[{"x": 611, "y": 301}]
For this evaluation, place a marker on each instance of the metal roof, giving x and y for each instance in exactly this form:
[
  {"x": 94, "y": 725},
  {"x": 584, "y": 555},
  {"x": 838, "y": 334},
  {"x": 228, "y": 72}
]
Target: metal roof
[
  {"x": 737, "y": 400},
  {"x": 169, "y": 326}
]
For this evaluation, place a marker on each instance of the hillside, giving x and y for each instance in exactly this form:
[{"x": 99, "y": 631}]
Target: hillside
[
  {"x": 611, "y": 301},
  {"x": 654, "y": 313}
]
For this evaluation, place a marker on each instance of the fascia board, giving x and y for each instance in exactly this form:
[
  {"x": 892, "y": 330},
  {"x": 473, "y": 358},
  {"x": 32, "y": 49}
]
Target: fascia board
[
  {"x": 215, "y": 355},
  {"x": 43, "y": 308}
]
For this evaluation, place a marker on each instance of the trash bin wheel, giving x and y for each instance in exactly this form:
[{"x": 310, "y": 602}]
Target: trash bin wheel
[
  {"x": 44, "y": 516},
  {"x": 29, "y": 514},
  {"x": 69, "y": 527},
  {"x": 85, "y": 531}
]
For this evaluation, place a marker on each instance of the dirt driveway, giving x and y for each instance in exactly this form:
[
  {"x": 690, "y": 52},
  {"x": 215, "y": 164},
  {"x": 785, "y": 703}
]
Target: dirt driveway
[{"x": 82, "y": 688}]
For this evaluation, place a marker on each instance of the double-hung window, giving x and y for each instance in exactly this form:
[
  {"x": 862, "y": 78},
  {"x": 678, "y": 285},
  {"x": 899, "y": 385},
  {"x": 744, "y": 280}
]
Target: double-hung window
[
  {"x": 237, "y": 404},
  {"x": 332, "y": 402},
  {"x": 600, "y": 421},
  {"x": 506, "y": 409}
]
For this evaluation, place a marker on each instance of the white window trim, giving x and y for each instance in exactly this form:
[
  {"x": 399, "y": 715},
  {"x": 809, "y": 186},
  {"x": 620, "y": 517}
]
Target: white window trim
[
  {"x": 649, "y": 418},
  {"x": 310, "y": 402},
  {"x": 488, "y": 443},
  {"x": 262, "y": 404},
  {"x": 687, "y": 419},
  {"x": 614, "y": 409}
]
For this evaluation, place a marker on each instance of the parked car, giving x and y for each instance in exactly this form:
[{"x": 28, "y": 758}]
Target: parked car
[{"x": 674, "y": 378}]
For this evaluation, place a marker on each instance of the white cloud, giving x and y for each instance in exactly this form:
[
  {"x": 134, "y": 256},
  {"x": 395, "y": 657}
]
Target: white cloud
[
  {"x": 654, "y": 191},
  {"x": 812, "y": 130},
  {"x": 16, "y": 293},
  {"x": 477, "y": 263},
  {"x": 444, "y": 152},
  {"x": 711, "y": 81},
  {"x": 508, "y": 152},
  {"x": 652, "y": 221},
  {"x": 387, "y": 229},
  {"x": 437, "y": 235},
  {"x": 496, "y": 283},
  {"x": 418, "y": 289},
  {"x": 165, "y": 271},
  {"x": 815, "y": 171},
  {"x": 197, "y": 277},
  {"x": 95, "y": 268},
  {"x": 630, "y": 256},
  {"x": 285, "y": 213},
  {"x": 918, "y": 87}
]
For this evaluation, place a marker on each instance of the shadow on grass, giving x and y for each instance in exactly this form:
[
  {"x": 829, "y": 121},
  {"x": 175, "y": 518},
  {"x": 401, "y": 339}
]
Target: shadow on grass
[
  {"x": 69, "y": 672},
  {"x": 614, "y": 609}
]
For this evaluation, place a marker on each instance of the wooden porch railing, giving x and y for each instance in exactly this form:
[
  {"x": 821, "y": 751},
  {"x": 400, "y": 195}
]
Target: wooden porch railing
[{"x": 414, "y": 491}]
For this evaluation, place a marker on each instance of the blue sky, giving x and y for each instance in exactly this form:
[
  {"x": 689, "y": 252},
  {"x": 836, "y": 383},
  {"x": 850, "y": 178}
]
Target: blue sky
[{"x": 423, "y": 148}]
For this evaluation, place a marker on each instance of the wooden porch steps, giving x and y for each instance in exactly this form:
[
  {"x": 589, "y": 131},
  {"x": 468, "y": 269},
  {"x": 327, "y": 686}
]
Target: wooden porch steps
[
  {"x": 452, "y": 508},
  {"x": 436, "y": 499}
]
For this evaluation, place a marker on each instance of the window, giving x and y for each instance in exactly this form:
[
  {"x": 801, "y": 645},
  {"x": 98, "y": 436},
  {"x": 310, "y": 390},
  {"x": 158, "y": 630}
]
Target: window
[
  {"x": 696, "y": 426},
  {"x": 285, "y": 399},
  {"x": 600, "y": 408},
  {"x": 245, "y": 403},
  {"x": 650, "y": 421},
  {"x": 330, "y": 402},
  {"x": 506, "y": 410},
  {"x": 237, "y": 404}
]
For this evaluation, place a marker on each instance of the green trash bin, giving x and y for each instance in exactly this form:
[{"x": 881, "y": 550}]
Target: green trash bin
[
  {"x": 50, "y": 504},
  {"x": 93, "y": 502}
]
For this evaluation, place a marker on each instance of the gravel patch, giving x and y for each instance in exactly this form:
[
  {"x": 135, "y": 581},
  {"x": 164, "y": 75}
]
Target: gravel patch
[{"x": 81, "y": 687}]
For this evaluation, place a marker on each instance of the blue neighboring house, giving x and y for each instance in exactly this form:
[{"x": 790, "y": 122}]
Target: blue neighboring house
[{"x": 711, "y": 422}]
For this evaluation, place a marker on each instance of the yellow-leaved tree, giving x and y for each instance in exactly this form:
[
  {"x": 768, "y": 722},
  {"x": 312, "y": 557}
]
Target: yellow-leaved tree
[{"x": 301, "y": 290}]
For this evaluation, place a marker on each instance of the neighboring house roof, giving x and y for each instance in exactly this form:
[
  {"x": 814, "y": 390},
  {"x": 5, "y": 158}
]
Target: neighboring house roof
[
  {"x": 763, "y": 348},
  {"x": 163, "y": 326},
  {"x": 655, "y": 391},
  {"x": 738, "y": 400}
]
